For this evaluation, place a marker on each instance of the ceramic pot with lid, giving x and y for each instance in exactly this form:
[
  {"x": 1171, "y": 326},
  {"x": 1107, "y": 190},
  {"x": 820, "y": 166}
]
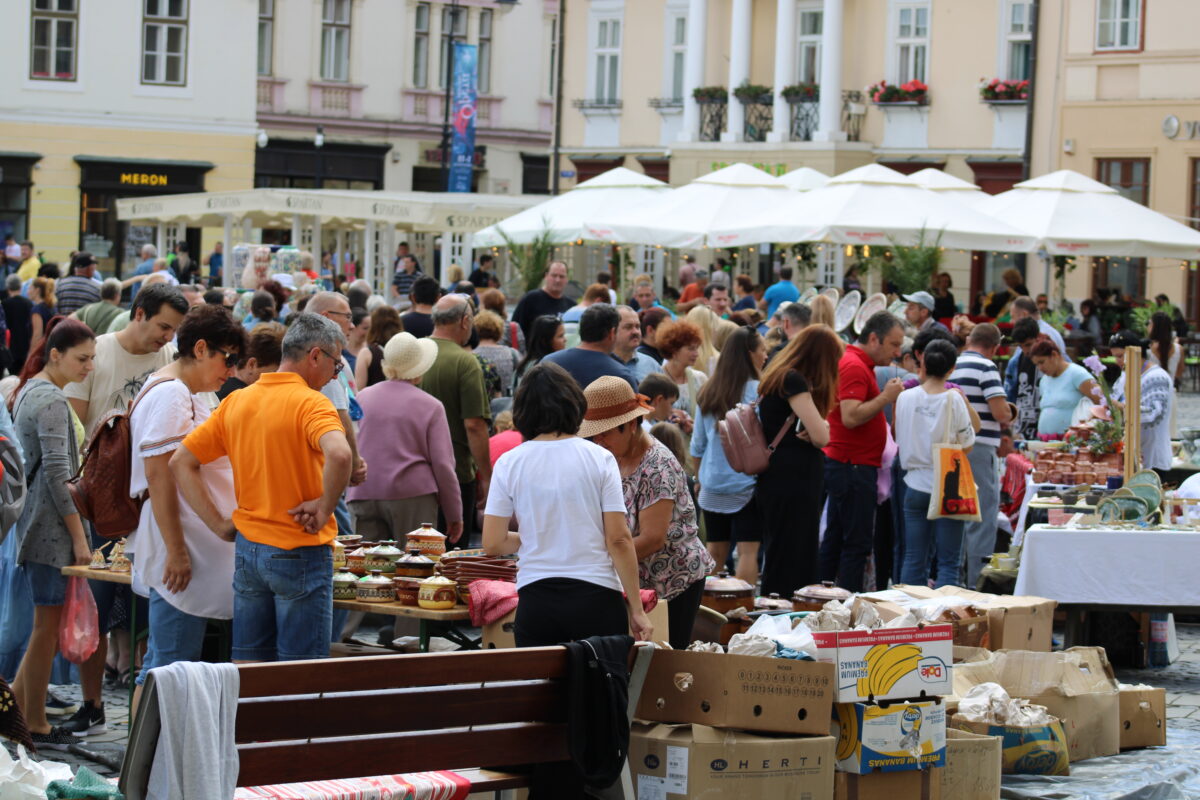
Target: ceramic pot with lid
[
  {"x": 344, "y": 585},
  {"x": 427, "y": 540},
  {"x": 772, "y": 602},
  {"x": 383, "y": 557},
  {"x": 374, "y": 588},
  {"x": 724, "y": 593},
  {"x": 407, "y": 590},
  {"x": 356, "y": 561},
  {"x": 339, "y": 555},
  {"x": 414, "y": 565},
  {"x": 437, "y": 593},
  {"x": 815, "y": 596}
]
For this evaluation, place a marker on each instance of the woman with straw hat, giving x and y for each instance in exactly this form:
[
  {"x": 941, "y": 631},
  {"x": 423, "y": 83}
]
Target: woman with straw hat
[
  {"x": 406, "y": 433},
  {"x": 658, "y": 506},
  {"x": 577, "y": 555}
]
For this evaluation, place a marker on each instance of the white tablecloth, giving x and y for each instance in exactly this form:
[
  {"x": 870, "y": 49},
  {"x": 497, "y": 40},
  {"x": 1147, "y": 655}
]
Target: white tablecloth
[{"x": 1108, "y": 567}]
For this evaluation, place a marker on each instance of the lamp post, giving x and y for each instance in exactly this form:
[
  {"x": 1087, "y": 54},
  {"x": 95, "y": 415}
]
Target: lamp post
[
  {"x": 455, "y": 10},
  {"x": 556, "y": 148}
]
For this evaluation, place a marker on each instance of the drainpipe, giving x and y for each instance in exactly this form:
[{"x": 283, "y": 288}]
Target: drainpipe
[{"x": 1035, "y": 22}]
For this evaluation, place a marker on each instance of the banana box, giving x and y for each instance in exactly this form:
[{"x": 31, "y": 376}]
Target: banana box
[
  {"x": 1027, "y": 749},
  {"x": 889, "y": 663},
  {"x": 891, "y": 737}
]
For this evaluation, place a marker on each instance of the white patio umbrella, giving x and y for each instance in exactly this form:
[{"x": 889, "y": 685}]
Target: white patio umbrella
[
  {"x": 805, "y": 178},
  {"x": 566, "y": 214},
  {"x": 874, "y": 205},
  {"x": 1074, "y": 215},
  {"x": 935, "y": 180},
  {"x": 686, "y": 216}
]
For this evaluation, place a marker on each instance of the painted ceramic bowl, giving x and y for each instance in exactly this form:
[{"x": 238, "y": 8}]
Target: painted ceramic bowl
[
  {"x": 374, "y": 588},
  {"x": 427, "y": 540},
  {"x": 437, "y": 593}
]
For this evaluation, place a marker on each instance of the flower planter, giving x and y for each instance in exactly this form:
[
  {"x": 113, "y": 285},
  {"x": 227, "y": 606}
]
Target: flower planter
[
  {"x": 1006, "y": 102},
  {"x": 902, "y": 103}
]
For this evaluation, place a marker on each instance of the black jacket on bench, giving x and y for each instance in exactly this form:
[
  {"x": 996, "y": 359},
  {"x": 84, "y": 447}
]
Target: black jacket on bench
[{"x": 598, "y": 707}]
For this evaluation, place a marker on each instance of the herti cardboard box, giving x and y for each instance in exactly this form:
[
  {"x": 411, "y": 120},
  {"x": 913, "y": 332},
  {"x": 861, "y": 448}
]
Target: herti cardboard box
[
  {"x": 670, "y": 762},
  {"x": 923, "y": 784},
  {"x": 972, "y": 766},
  {"x": 1014, "y": 622},
  {"x": 1076, "y": 686},
  {"x": 1143, "y": 717},
  {"x": 776, "y": 695}
]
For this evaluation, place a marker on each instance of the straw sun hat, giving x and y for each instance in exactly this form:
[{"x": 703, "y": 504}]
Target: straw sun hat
[
  {"x": 406, "y": 357},
  {"x": 611, "y": 401}
]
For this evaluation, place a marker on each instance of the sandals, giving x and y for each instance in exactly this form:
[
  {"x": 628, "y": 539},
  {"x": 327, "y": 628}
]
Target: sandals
[{"x": 112, "y": 676}]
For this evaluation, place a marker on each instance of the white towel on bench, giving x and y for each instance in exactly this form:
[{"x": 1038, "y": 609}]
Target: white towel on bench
[{"x": 196, "y": 758}]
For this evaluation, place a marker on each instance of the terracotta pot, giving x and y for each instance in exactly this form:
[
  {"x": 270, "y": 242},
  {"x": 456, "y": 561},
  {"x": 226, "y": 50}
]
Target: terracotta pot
[
  {"x": 383, "y": 557},
  {"x": 724, "y": 593},
  {"x": 772, "y": 602},
  {"x": 815, "y": 596},
  {"x": 414, "y": 565},
  {"x": 356, "y": 561},
  {"x": 1056, "y": 477},
  {"x": 427, "y": 540},
  {"x": 374, "y": 588},
  {"x": 437, "y": 593},
  {"x": 345, "y": 585},
  {"x": 1039, "y": 476},
  {"x": 406, "y": 590}
]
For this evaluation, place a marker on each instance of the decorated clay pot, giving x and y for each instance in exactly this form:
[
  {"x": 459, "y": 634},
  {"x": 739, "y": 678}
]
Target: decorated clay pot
[
  {"x": 344, "y": 585},
  {"x": 383, "y": 557},
  {"x": 407, "y": 590},
  {"x": 356, "y": 561},
  {"x": 414, "y": 565},
  {"x": 437, "y": 593},
  {"x": 339, "y": 555},
  {"x": 427, "y": 540},
  {"x": 374, "y": 588}
]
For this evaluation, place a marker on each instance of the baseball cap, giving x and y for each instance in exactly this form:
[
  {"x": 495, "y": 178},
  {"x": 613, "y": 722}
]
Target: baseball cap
[{"x": 921, "y": 298}]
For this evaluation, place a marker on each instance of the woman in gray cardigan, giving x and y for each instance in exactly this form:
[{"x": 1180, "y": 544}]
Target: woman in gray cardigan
[{"x": 50, "y": 533}]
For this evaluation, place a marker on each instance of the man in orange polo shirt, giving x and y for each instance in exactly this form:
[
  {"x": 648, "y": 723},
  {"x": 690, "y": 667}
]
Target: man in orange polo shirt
[{"x": 291, "y": 463}]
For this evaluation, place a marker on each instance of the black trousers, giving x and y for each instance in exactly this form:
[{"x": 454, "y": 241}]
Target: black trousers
[
  {"x": 681, "y": 615},
  {"x": 790, "y": 506}
]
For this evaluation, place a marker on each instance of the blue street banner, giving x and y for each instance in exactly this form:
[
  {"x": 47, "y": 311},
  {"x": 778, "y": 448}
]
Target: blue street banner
[{"x": 462, "y": 142}]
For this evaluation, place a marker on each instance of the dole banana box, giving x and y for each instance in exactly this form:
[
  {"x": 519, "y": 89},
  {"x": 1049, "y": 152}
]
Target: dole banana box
[
  {"x": 889, "y": 663},
  {"x": 890, "y": 737}
]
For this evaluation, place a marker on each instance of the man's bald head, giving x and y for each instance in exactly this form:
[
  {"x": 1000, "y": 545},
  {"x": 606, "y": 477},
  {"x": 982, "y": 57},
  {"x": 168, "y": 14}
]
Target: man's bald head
[
  {"x": 452, "y": 318},
  {"x": 327, "y": 301}
]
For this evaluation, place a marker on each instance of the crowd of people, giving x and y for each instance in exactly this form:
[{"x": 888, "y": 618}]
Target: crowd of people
[{"x": 582, "y": 436}]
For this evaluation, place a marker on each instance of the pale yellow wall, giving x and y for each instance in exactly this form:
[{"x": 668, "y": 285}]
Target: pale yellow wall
[{"x": 54, "y": 203}]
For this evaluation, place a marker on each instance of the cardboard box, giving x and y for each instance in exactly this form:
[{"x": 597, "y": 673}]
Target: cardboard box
[
  {"x": 889, "y": 663},
  {"x": 972, "y": 769},
  {"x": 1026, "y": 749},
  {"x": 670, "y": 762},
  {"x": 883, "y": 737},
  {"x": 776, "y": 695},
  {"x": 925, "y": 784},
  {"x": 1143, "y": 717},
  {"x": 1076, "y": 686},
  {"x": 1014, "y": 622},
  {"x": 499, "y": 634}
]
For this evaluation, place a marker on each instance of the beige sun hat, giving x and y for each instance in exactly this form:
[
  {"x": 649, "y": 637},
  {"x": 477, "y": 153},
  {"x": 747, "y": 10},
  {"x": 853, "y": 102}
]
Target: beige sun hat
[
  {"x": 407, "y": 357},
  {"x": 611, "y": 401}
]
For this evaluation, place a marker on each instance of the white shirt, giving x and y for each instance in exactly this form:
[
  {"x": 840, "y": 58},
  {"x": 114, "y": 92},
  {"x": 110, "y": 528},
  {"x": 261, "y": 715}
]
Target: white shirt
[
  {"x": 163, "y": 417},
  {"x": 559, "y": 492},
  {"x": 923, "y": 420}
]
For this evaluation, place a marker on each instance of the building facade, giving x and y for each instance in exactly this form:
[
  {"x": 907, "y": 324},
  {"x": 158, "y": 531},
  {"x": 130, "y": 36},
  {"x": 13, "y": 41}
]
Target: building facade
[{"x": 120, "y": 99}]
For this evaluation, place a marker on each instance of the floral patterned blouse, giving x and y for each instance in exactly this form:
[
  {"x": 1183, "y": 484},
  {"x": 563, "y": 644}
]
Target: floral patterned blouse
[{"x": 683, "y": 560}]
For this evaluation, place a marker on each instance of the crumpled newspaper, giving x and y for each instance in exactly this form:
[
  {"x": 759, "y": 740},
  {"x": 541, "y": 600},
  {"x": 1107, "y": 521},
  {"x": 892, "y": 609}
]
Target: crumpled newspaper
[
  {"x": 705, "y": 647},
  {"x": 833, "y": 616},
  {"x": 750, "y": 644},
  {"x": 989, "y": 703},
  {"x": 865, "y": 616},
  {"x": 27, "y": 779}
]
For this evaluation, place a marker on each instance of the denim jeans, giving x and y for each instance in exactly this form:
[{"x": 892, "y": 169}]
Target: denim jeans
[
  {"x": 922, "y": 535},
  {"x": 849, "y": 523},
  {"x": 282, "y": 602},
  {"x": 981, "y": 536},
  {"x": 174, "y": 636}
]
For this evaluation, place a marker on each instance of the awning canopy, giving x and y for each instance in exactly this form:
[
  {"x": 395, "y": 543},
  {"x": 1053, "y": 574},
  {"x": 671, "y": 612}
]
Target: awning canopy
[{"x": 276, "y": 208}]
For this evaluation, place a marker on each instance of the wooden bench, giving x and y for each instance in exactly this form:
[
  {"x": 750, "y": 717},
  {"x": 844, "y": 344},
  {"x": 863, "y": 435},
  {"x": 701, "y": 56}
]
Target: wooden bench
[{"x": 470, "y": 712}]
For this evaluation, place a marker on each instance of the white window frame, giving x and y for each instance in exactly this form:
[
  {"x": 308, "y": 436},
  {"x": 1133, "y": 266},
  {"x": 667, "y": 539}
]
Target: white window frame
[
  {"x": 448, "y": 37},
  {"x": 1013, "y": 33},
  {"x": 831, "y": 265},
  {"x": 487, "y": 30},
  {"x": 1115, "y": 19},
  {"x": 808, "y": 43},
  {"x": 55, "y": 14},
  {"x": 266, "y": 37},
  {"x": 335, "y": 37},
  {"x": 675, "y": 54},
  {"x": 156, "y": 15},
  {"x": 420, "y": 79},
  {"x": 905, "y": 47},
  {"x": 604, "y": 59}
]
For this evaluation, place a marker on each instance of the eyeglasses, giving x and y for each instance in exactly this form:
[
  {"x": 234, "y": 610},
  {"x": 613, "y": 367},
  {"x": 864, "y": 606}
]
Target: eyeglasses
[
  {"x": 346, "y": 314},
  {"x": 337, "y": 362},
  {"x": 231, "y": 359}
]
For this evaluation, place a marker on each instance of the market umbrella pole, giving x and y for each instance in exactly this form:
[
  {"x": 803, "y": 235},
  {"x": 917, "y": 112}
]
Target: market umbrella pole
[{"x": 1133, "y": 410}]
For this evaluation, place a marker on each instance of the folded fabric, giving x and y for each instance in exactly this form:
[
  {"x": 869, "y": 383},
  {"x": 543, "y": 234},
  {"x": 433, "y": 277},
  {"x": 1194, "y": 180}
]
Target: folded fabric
[
  {"x": 86, "y": 785},
  {"x": 649, "y": 600},
  {"x": 196, "y": 757},
  {"x": 491, "y": 601},
  {"x": 443, "y": 785}
]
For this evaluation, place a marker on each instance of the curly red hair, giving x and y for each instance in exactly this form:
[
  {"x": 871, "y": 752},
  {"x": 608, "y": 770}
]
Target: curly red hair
[{"x": 674, "y": 336}]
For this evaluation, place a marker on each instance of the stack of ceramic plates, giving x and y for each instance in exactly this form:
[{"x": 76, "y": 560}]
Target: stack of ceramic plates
[{"x": 465, "y": 569}]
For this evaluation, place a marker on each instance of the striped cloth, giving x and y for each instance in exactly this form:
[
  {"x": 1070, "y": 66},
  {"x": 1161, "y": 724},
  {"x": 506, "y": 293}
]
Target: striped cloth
[
  {"x": 442, "y": 785},
  {"x": 980, "y": 381},
  {"x": 74, "y": 292}
]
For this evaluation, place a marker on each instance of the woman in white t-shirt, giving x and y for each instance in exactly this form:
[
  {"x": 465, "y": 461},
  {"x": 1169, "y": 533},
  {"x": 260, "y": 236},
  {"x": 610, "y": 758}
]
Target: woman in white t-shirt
[
  {"x": 926, "y": 415},
  {"x": 577, "y": 554},
  {"x": 187, "y": 569}
]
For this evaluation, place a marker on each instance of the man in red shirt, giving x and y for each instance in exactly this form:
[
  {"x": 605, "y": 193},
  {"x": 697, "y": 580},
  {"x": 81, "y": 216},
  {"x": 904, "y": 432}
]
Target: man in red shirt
[{"x": 857, "y": 434}]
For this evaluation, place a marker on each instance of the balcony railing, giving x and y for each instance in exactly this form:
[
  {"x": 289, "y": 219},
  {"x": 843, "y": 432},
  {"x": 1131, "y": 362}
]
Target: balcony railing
[
  {"x": 270, "y": 94},
  {"x": 805, "y": 116},
  {"x": 331, "y": 99},
  {"x": 759, "y": 118},
  {"x": 427, "y": 105},
  {"x": 713, "y": 114},
  {"x": 853, "y": 111},
  {"x": 598, "y": 104}
]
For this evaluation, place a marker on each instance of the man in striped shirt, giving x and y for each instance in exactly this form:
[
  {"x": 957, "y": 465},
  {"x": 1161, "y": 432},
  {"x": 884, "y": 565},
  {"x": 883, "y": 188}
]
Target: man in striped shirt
[{"x": 977, "y": 377}]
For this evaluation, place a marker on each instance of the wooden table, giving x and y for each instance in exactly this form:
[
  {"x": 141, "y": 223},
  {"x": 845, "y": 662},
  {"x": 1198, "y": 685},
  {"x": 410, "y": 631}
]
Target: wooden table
[{"x": 443, "y": 623}]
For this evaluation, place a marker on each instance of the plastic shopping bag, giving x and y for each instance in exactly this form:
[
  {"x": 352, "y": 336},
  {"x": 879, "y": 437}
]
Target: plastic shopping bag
[
  {"x": 954, "y": 495},
  {"x": 79, "y": 631}
]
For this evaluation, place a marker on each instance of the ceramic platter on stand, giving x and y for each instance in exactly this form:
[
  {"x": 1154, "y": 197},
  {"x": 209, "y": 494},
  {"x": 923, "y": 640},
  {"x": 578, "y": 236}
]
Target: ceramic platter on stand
[
  {"x": 846, "y": 310},
  {"x": 871, "y": 306},
  {"x": 832, "y": 293},
  {"x": 807, "y": 296},
  {"x": 897, "y": 308}
]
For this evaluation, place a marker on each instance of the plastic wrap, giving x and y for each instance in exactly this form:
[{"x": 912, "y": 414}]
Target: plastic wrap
[
  {"x": 706, "y": 647},
  {"x": 750, "y": 644},
  {"x": 26, "y": 778},
  {"x": 778, "y": 628}
]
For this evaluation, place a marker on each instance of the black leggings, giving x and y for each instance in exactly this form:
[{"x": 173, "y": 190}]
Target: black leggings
[
  {"x": 681, "y": 615},
  {"x": 556, "y": 610}
]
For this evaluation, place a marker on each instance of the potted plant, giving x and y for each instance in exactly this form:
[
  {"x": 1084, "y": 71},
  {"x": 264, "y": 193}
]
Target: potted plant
[
  {"x": 914, "y": 93},
  {"x": 1001, "y": 91},
  {"x": 710, "y": 94},
  {"x": 753, "y": 93},
  {"x": 801, "y": 92}
]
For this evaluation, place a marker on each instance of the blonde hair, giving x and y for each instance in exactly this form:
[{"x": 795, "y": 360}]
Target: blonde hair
[
  {"x": 45, "y": 287},
  {"x": 503, "y": 422},
  {"x": 455, "y": 273},
  {"x": 705, "y": 321},
  {"x": 489, "y": 325},
  {"x": 822, "y": 311},
  {"x": 725, "y": 329}
]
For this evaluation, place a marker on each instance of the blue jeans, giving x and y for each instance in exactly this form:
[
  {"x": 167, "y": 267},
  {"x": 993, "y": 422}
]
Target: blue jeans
[
  {"x": 922, "y": 535},
  {"x": 849, "y": 524},
  {"x": 980, "y": 537},
  {"x": 282, "y": 602},
  {"x": 174, "y": 636},
  {"x": 47, "y": 584}
]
